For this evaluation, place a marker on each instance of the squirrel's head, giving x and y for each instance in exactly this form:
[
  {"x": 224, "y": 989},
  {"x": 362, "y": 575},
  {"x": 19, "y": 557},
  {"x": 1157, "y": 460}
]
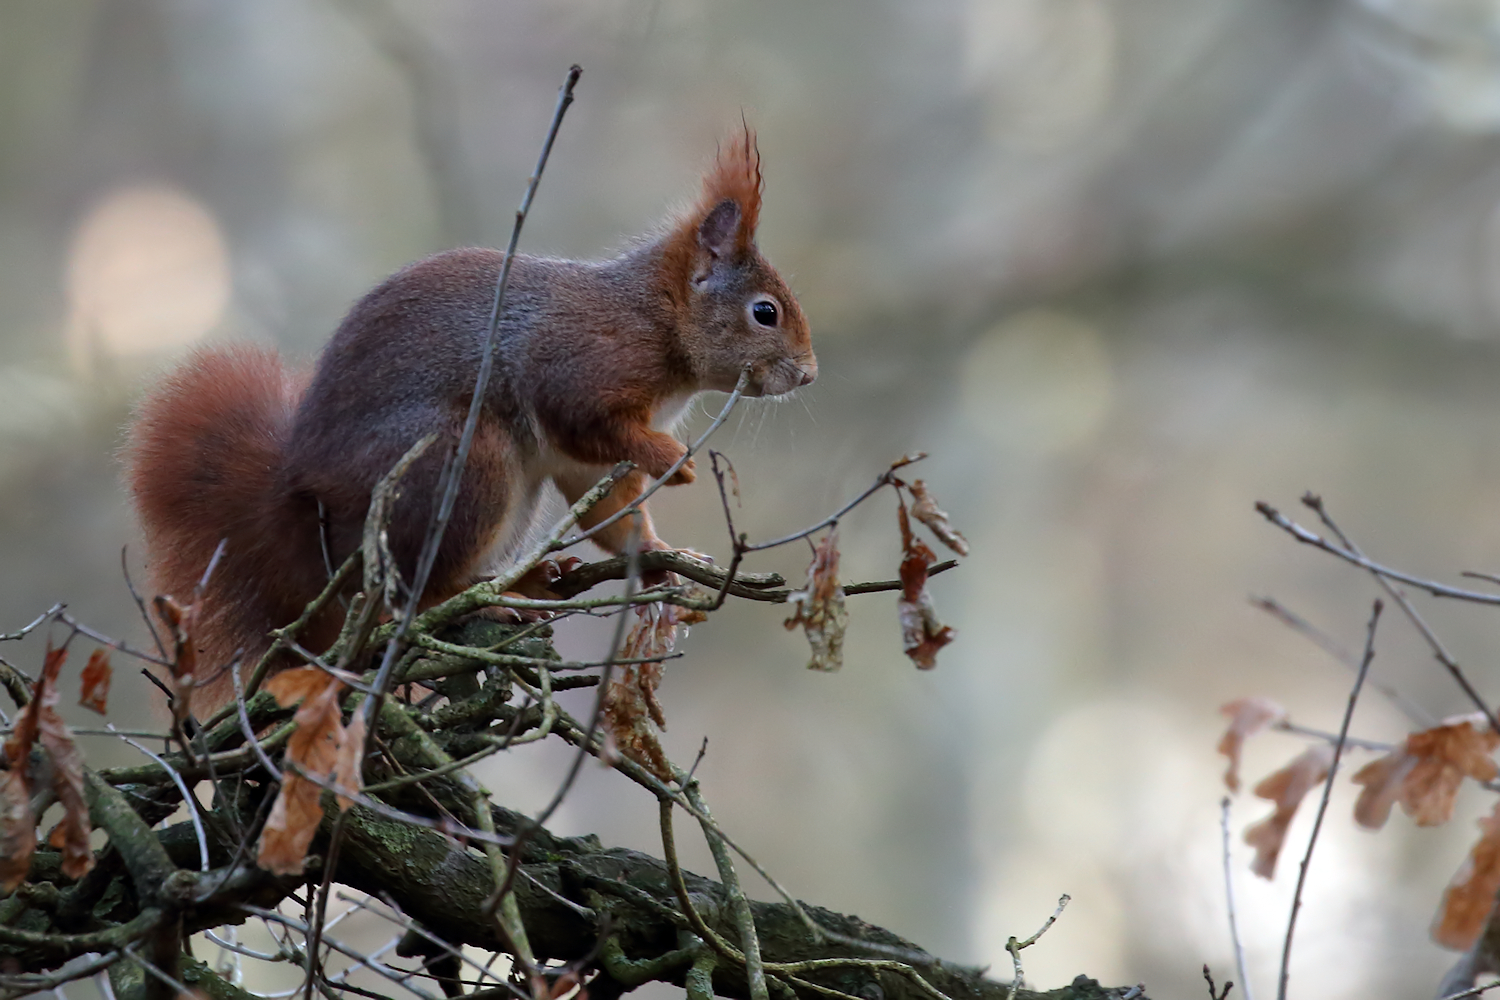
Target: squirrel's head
[{"x": 733, "y": 309}]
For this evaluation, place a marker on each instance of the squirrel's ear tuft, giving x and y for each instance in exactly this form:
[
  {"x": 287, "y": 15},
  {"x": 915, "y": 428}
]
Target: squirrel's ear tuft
[{"x": 734, "y": 179}]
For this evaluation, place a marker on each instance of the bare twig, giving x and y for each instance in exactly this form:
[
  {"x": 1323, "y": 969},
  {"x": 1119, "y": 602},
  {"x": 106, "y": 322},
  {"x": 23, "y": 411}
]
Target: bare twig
[
  {"x": 140, "y": 603},
  {"x": 187, "y": 797},
  {"x": 1213, "y": 992},
  {"x": 1473, "y": 991},
  {"x": 367, "y": 961},
  {"x": 1234, "y": 928},
  {"x": 1333, "y": 768},
  {"x": 505, "y": 871},
  {"x": 37, "y": 623},
  {"x": 1344, "y": 655},
  {"x": 26, "y": 983},
  {"x": 403, "y": 921},
  {"x": 741, "y": 543},
  {"x": 1014, "y": 947},
  {"x": 1287, "y": 726},
  {"x": 886, "y": 478},
  {"x": 1432, "y": 587},
  {"x": 454, "y": 472},
  {"x": 250, "y": 738},
  {"x": 1315, "y": 503},
  {"x": 570, "y": 730}
]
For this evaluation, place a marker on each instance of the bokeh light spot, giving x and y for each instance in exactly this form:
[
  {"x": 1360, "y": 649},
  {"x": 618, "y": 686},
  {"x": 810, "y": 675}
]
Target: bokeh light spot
[{"x": 148, "y": 272}]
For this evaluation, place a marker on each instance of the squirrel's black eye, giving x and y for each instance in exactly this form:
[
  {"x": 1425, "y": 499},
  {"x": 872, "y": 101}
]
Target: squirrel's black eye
[{"x": 764, "y": 313}]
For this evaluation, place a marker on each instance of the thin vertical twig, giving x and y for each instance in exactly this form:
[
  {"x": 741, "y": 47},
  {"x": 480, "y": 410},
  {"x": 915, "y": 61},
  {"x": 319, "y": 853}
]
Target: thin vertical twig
[
  {"x": 454, "y": 473},
  {"x": 1333, "y": 770},
  {"x": 1234, "y": 927}
]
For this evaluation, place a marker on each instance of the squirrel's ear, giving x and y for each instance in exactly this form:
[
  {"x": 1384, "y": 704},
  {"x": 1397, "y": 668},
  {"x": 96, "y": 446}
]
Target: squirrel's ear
[
  {"x": 730, "y": 208},
  {"x": 718, "y": 231}
]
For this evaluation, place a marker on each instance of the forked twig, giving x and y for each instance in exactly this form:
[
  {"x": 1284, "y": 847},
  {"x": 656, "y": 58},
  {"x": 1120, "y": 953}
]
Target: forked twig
[
  {"x": 1440, "y": 651},
  {"x": 1015, "y": 947}
]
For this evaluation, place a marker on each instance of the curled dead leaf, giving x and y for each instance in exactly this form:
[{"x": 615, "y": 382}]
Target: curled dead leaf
[
  {"x": 633, "y": 716},
  {"x": 922, "y": 634},
  {"x": 820, "y": 606},
  {"x": 1286, "y": 787},
  {"x": 1247, "y": 716},
  {"x": 348, "y": 772},
  {"x": 1424, "y": 772},
  {"x": 17, "y": 820},
  {"x": 67, "y": 772},
  {"x": 94, "y": 692},
  {"x": 312, "y": 750},
  {"x": 1470, "y": 896},
  {"x": 183, "y": 680},
  {"x": 925, "y": 509},
  {"x": 40, "y": 723},
  {"x": 630, "y": 713}
]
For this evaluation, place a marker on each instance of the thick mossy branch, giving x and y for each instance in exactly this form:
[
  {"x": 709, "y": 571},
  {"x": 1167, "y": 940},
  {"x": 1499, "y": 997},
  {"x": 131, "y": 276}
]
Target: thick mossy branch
[
  {"x": 608, "y": 910},
  {"x": 444, "y": 886}
]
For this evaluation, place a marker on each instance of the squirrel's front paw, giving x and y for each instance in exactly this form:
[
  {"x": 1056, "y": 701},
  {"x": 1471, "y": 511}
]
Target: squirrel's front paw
[
  {"x": 537, "y": 583},
  {"x": 684, "y": 475}
]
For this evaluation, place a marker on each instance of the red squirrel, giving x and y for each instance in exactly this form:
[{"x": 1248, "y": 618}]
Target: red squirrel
[{"x": 595, "y": 362}]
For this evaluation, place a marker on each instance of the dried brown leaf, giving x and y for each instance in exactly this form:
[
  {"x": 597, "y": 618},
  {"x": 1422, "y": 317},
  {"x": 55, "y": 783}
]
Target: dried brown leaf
[
  {"x": 67, "y": 771},
  {"x": 925, "y": 509},
  {"x": 17, "y": 822},
  {"x": 820, "y": 607},
  {"x": 1382, "y": 779},
  {"x": 1247, "y": 716},
  {"x": 94, "y": 692},
  {"x": 922, "y": 634},
  {"x": 39, "y": 722},
  {"x": 628, "y": 720},
  {"x": 633, "y": 717},
  {"x": 1425, "y": 771},
  {"x": 312, "y": 750},
  {"x": 180, "y": 622},
  {"x": 348, "y": 773},
  {"x": 1286, "y": 787},
  {"x": 183, "y": 678},
  {"x": 1470, "y": 897},
  {"x": 298, "y": 684}
]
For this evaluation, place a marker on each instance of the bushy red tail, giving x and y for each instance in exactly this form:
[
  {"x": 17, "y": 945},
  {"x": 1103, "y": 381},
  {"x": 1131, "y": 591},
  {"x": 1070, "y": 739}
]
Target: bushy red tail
[{"x": 205, "y": 465}]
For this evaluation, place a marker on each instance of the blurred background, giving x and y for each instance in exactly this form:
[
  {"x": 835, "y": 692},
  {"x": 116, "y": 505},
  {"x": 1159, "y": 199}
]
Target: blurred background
[{"x": 1122, "y": 268}]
